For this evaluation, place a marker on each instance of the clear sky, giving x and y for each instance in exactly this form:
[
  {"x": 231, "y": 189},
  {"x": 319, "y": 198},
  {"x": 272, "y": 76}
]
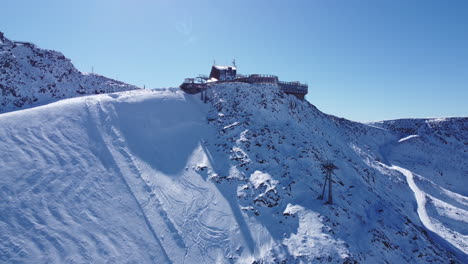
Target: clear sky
[{"x": 364, "y": 60}]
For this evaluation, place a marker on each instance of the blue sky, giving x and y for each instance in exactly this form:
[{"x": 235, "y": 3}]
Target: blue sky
[{"x": 363, "y": 60}]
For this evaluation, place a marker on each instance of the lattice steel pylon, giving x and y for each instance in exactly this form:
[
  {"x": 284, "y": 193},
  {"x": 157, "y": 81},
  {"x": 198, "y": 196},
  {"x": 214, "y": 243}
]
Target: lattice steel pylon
[{"x": 328, "y": 169}]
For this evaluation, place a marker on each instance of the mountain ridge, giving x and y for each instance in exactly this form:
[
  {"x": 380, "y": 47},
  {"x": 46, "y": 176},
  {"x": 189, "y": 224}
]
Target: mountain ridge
[{"x": 30, "y": 76}]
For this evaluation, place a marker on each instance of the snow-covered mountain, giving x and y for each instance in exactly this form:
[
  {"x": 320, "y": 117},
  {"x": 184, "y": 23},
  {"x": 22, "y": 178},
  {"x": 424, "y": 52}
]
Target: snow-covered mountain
[
  {"x": 30, "y": 76},
  {"x": 160, "y": 177}
]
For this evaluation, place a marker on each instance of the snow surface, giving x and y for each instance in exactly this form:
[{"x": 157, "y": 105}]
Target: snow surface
[
  {"x": 259, "y": 178},
  {"x": 222, "y": 67},
  {"x": 455, "y": 238},
  {"x": 160, "y": 177},
  {"x": 407, "y": 138},
  {"x": 310, "y": 240},
  {"x": 292, "y": 209}
]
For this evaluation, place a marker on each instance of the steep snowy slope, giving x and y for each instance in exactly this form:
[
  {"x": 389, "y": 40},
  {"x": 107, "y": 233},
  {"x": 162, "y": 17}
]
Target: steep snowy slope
[
  {"x": 309, "y": 137},
  {"x": 30, "y": 76},
  {"x": 435, "y": 151},
  {"x": 436, "y": 148},
  {"x": 160, "y": 177}
]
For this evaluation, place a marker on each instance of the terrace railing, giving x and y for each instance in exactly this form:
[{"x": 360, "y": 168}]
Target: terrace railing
[
  {"x": 257, "y": 78},
  {"x": 294, "y": 87}
]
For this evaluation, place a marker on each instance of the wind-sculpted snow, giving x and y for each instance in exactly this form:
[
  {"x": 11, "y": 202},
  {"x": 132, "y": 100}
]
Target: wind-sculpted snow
[
  {"x": 160, "y": 177},
  {"x": 30, "y": 76}
]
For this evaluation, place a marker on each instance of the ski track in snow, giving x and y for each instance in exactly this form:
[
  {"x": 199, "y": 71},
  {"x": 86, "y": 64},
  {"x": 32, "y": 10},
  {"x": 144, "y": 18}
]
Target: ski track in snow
[
  {"x": 456, "y": 239},
  {"x": 122, "y": 158},
  {"x": 407, "y": 138},
  {"x": 175, "y": 233}
]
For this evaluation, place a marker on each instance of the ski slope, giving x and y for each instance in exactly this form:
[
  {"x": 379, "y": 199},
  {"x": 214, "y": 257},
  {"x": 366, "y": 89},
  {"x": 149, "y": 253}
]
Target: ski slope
[
  {"x": 455, "y": 238},
  {"x": 160, "y": 177},
  {"x": 89, "y": 198}
]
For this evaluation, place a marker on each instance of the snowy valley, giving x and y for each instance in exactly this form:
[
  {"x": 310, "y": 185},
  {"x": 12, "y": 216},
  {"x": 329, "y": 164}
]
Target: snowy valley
[{"x": 159, "y": 176}]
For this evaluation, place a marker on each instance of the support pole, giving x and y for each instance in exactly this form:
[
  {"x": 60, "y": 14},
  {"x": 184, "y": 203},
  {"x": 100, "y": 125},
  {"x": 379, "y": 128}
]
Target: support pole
[
  {"x": 330, "y": 198},
  {"x": 321, "y": 197}
]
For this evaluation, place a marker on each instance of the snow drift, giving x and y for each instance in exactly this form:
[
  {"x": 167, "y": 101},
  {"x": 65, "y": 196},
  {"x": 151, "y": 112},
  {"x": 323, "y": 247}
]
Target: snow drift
[{"x": 160, "y": 177}]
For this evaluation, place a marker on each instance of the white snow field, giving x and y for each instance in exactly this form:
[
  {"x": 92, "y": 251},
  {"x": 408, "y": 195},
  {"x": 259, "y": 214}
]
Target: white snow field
[{"x": 160, "y": 177}]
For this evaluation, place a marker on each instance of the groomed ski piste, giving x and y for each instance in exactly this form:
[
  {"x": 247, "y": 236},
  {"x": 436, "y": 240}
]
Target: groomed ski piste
[
  {"x": 161, "y": 177},
  {"x": 442, "y": 209}
]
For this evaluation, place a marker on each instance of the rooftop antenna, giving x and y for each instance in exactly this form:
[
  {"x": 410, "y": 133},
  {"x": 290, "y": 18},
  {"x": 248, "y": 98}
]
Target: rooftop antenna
[
  {"x": 328, "y": 169},
  {"x": 234, "y": 62},
  {"x": 214, "y": 62}
]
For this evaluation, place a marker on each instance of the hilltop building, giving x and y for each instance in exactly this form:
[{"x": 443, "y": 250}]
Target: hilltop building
[{"x": 221, "y": 74}]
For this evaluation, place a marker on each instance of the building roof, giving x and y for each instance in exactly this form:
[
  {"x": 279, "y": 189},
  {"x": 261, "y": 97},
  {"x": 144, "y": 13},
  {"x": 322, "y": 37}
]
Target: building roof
[{"x": 221, "y": 67}]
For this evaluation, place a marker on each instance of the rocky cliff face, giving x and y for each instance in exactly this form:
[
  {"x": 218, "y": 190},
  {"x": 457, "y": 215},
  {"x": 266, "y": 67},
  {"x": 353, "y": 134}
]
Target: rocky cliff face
[{"x": 31, "y": 76}]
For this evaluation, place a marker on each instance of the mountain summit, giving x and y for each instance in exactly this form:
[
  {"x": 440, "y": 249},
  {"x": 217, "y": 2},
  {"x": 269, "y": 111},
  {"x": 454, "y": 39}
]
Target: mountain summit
[
  {"x": 161, "y": 176},
  {"x": 30, "y": 76}
]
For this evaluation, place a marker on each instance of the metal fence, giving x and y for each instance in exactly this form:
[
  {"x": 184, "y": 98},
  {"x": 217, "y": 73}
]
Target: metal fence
[{"x": 294, "y": 87}]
